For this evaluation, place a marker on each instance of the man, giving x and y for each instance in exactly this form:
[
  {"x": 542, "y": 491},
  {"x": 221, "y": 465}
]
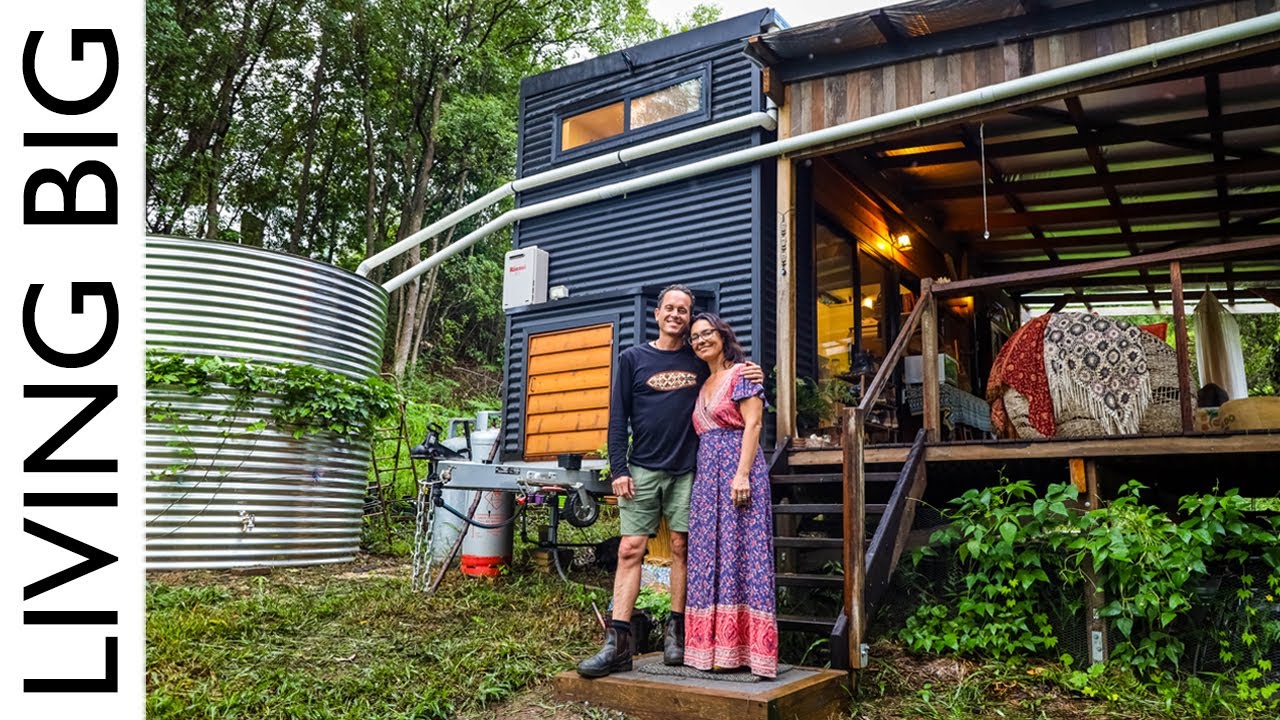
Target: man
[{"x": 654, "y": 390}]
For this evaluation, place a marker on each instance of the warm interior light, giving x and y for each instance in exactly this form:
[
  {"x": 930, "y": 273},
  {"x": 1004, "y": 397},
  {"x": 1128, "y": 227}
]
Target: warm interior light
[
  {"x": 869, "y": 302},
  {"x": 903, "y": 241}
]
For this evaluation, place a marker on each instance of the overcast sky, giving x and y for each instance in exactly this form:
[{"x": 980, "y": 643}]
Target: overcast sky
[{"x": 795, "y": 12}]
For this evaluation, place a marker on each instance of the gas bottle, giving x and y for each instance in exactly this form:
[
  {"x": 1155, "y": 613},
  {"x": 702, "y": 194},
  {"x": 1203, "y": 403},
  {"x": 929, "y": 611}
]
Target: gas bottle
[{"x": 486, "y": 551}]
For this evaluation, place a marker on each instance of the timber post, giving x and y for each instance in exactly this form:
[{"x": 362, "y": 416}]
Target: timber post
[
  {"x": 929, "y": 350},
  {"x": 854, "y": 557}
]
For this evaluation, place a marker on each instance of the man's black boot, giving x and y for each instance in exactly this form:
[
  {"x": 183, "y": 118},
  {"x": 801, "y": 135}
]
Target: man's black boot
[
  {"x": 614, "y": 657},
  {"x": 673, "y": 641}
]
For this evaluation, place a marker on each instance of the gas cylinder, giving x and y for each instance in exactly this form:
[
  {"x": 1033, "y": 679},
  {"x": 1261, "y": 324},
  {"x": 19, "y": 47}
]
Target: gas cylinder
[{"x": 486, "y": 551}]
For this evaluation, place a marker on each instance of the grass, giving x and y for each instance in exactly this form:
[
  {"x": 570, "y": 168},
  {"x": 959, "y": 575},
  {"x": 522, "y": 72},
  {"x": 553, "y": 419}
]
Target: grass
[{"x": 352, "y": 642}]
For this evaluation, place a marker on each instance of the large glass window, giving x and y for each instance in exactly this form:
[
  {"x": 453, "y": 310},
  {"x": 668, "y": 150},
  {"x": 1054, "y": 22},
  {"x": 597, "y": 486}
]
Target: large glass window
[
  {"x": 836, "y": 319},
  {"x": 631, "y": 113},
  {"x": 667, "y": 103}
]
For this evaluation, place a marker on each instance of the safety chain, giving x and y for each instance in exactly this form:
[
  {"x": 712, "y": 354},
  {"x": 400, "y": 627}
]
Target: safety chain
[{"x": 423, "y": 532}]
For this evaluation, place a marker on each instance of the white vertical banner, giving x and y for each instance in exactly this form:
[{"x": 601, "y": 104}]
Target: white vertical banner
[{"x": 71, "y": 217}]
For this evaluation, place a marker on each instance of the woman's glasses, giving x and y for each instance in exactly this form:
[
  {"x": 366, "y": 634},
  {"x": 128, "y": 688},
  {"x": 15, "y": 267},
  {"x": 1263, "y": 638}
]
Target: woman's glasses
[{"x": 704, "y": 335}]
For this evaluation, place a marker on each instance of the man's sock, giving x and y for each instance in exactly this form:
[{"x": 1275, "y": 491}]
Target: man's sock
[
  {"x": 622, "y": 626},
  {"x": 677, "y": 617}
]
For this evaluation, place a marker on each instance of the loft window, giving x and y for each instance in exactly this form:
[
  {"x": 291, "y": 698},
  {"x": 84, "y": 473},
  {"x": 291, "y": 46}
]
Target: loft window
[{"x": 634, "y": 112}]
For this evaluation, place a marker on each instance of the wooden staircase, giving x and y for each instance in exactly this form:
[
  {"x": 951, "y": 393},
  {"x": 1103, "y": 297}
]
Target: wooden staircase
[
  {"x": 851, "y": 518},
  {"x": 809, "y": 543}
]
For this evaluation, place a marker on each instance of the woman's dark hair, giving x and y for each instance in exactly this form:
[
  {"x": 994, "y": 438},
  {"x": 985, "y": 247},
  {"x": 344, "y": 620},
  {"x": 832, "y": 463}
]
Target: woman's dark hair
[{"x": 733, "y": 351}]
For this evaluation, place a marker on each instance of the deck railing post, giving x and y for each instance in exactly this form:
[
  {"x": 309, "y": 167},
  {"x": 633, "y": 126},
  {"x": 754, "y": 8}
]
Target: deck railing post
[
  {"x": 929, "y": 335},
  {"x": 854, "y": 557},
  {"x": 1181, "y": 343}
]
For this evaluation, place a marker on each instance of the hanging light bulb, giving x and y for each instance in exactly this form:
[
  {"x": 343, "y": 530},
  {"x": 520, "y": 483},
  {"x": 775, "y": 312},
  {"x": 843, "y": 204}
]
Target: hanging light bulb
[{"x": 903, "y": 241}]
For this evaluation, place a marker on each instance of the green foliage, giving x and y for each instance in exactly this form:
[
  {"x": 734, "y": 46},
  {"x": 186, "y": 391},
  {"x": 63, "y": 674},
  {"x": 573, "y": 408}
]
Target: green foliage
[
  {"x": 308, "y": 400},
  {"x": 1147, "y": 565},
  {"x": 333, "y": 128},
  {"x": 1006, "y": 543},
  {"x": 657, "y": 603}
]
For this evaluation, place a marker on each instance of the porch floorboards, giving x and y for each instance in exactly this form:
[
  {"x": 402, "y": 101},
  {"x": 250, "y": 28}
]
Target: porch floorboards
[
  {"x": 989, "y": 450},
  {"x": 799, "y": 694}
]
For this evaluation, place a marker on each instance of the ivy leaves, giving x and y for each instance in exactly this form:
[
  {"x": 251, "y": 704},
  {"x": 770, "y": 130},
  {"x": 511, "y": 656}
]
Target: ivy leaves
[{"x": 307, "y": 400}]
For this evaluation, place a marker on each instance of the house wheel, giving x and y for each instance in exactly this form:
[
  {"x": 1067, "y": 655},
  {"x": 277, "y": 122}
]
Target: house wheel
[{"x": 581, "y": 509}]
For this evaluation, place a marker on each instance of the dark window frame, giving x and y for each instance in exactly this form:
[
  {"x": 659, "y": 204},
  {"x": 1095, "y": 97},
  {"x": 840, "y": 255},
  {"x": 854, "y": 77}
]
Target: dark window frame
[{"x": 628, "y": 134}]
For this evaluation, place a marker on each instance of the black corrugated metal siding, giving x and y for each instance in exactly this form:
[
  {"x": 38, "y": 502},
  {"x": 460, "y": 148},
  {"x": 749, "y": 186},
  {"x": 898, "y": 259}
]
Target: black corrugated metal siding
[{"x": 710, "y": 230}]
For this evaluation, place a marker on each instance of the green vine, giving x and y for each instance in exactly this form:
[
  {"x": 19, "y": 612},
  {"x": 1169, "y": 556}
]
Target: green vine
[{"x": 310, "y": 400}]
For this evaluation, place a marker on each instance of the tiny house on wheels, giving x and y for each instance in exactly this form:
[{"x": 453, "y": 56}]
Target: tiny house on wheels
[{"x": 922, "y": 219}]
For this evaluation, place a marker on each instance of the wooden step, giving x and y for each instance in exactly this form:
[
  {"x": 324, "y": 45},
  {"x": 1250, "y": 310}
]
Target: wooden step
[
  {"x": 806, "y": 623},
  {"x": 822, "y": 508},
  {"x": 808, "y": 542},
  {"x": 832, "y": 478},
  {"x": 809, "y": 580}
]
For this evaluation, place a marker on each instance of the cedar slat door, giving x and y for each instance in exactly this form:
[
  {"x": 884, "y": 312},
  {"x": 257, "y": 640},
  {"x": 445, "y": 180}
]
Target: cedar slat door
[{"x": 567, "y": 392}]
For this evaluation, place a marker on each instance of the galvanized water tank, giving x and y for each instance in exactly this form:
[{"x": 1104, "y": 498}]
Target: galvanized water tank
[{"x": 254, "y": 498}]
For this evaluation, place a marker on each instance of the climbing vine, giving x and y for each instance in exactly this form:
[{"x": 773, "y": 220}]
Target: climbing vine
[{"x": 309, "y": 399}]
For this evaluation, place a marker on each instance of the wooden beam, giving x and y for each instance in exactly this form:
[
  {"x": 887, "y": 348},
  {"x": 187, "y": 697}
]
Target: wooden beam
[
  {"x": 785, "y": 290},
  {"x": 959, "y": 288},
  {"x": 1013, "y": 450},
  {"x": 1271, "y": 296},
  {"x": 1094, "y": 600},
  {"x": 1128, "y": 298},
  {"x": 1097, "y": 213},
  {"x": 929, "y": 335},
  {"x": 1164, "y": 173},
  {"x": 1181, "y": 345},
  {"x": 912, "y": 213},
  {"x": 1186, "y": 143},
  {"x": 1259, "y": 277},
  {"x": 1120, "y": 135},
  {"x": 854, "y": 525},
  {"x": 1099, "y": 163},
  {"x": 1236, "y": 231},
  {"x": 1075, "y": 466},
  {"x": 990, "y": 169}
]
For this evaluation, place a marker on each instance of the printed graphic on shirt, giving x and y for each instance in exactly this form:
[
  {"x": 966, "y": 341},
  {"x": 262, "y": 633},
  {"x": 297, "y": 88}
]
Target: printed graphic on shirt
[{"x": 672, "y": 380}]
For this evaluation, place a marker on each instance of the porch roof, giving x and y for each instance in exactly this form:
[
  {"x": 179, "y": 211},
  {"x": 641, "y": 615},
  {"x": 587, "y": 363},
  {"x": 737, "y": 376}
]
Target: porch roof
[{"x": 1181, "y": 156}]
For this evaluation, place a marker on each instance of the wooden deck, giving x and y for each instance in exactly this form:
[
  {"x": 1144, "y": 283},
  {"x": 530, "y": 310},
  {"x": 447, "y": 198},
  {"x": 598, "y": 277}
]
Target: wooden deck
[
  {"x": 996, "y": 450},
  {"x": 798, "y": 694}
]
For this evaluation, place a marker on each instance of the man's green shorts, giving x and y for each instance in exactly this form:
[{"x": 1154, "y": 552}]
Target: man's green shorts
[{"x": 658, "y": 493}]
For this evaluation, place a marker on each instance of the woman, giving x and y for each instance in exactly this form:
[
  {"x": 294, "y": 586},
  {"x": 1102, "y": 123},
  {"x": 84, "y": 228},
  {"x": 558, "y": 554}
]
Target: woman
[{"x": 730, "y": 620}]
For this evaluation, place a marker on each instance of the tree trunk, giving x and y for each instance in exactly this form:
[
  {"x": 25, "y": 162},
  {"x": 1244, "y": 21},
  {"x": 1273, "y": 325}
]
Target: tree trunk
[
  {"x": 211, "y": 201},
  {"x": 308, "y": 152},
  {"x": 417, "y": 208}
]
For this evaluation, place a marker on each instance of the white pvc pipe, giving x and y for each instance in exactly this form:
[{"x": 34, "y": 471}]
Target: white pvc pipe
[
  {"x": 767, "y": 120},
  {"x": 1115, "y": 62}
]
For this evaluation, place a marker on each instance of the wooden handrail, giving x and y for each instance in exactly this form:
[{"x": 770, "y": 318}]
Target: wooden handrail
[
  {"x": 894, "y": 355},
  {"x": 890, "y": 536},
  {"x": 1075, "y": 270}
]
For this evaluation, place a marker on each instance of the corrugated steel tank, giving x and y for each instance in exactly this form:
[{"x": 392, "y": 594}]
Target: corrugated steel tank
[{"x": 254, "y": 498}]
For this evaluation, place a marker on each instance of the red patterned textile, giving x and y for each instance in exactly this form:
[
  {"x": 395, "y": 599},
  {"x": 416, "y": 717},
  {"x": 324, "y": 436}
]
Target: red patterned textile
[{"x": 1020, "y": 365}]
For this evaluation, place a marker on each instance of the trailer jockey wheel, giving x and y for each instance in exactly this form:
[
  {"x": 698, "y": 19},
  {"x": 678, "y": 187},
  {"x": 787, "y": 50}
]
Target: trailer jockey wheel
[{"x": 581, "y": 509}]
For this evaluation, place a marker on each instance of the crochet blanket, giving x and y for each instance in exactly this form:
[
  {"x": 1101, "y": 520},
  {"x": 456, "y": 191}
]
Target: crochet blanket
[
  {"x": 1096, "y": 367},
  {"x": 1076, "y": 374}
]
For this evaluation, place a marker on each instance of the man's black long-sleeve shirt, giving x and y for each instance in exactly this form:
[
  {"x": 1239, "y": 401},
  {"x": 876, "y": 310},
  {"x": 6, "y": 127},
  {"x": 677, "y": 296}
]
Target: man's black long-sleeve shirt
[{"x": 654, "y": 392}]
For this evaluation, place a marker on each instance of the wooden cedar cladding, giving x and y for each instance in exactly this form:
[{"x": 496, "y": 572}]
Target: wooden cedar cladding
[
  {"x": 836, "y": 99},
  {"x": 567, "y": 391}
]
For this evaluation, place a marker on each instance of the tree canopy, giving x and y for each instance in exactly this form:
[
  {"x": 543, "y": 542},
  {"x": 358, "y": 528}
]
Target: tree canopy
[{"x": 333, "y": 128}]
